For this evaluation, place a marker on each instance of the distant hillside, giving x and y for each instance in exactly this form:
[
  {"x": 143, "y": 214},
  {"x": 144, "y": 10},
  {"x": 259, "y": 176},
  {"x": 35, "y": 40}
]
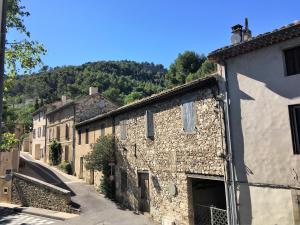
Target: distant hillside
[{"x": 122, "y": 81}]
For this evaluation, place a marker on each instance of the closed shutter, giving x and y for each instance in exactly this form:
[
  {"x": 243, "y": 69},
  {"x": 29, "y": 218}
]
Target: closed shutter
[
  {"x": 189, "y": 117},
  {"x": 123, "y": 129},
  {"x": 149, "y": 124}
]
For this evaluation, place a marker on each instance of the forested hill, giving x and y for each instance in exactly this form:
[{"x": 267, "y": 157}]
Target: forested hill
[{"x": 122, "y": 81}]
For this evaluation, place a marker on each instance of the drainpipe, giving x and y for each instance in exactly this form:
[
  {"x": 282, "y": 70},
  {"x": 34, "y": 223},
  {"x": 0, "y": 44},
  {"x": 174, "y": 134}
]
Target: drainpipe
[{"x": 232, "y": 199}]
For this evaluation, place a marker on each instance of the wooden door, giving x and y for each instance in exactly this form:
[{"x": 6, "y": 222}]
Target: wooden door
[{"x": 144, "y": 204}]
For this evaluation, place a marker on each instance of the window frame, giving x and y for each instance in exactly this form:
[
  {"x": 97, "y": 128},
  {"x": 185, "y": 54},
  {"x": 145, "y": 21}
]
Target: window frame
[
  {"x": 285, "y": 60},
  {"x": 193, "y": 102},
  {"x": 294, "y": 129},
  {"x": 87, "y": 139},
  {"x": 79, "y": 132}
]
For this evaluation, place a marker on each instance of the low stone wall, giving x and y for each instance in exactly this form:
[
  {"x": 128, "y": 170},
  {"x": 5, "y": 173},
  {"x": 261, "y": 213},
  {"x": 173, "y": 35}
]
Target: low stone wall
[{"x": 28, "y": 191}]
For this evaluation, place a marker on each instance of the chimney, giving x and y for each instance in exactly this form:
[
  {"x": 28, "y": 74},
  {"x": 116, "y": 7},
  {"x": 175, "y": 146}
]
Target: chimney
[
  {"x": 64, "y": 99},
  {"x": 247, "y": 35},
  {"x": 237, "y": 33},
  {"x": 93, "y": 90}
]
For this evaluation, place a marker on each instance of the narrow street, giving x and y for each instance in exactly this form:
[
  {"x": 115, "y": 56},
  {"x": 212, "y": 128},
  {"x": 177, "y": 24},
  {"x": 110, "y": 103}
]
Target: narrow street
[{"x": 95, "y": 208}]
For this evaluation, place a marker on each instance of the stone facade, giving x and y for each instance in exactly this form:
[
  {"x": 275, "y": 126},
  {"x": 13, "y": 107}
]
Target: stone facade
[
  {"x": 61, "y": 122},
  {"x": 95, "y": 130},
  {"x": 171, "y": 154},
  {"x": 28, "y": 191}
]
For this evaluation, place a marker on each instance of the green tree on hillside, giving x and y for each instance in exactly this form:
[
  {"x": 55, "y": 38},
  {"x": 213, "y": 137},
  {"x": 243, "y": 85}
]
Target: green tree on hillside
[{"x": 185, "y": 64}]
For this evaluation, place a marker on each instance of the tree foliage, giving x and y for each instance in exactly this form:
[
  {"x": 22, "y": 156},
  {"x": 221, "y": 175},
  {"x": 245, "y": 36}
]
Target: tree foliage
[
  {"x": 55, "y": 151},
  {"x": 98, "y": 159},
  {"x": 8, "y": 142}
]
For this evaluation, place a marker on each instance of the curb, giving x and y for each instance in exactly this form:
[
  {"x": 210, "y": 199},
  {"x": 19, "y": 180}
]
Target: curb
[{"x": 20, "y": 210}]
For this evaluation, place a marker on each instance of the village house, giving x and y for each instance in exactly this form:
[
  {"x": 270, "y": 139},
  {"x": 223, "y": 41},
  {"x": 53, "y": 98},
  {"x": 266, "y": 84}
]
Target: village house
[
  {"x": 61, "y": 121},
  {"x": 39, "y": 133},
  {"x": 262, "y": 76},
  {"x": 169, "y": 150},
  {"x": 87, "y": 134}
]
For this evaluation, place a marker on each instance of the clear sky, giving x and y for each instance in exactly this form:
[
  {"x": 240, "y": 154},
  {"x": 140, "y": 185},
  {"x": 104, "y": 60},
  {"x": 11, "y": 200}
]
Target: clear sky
[{"x": 79, "y": 31}]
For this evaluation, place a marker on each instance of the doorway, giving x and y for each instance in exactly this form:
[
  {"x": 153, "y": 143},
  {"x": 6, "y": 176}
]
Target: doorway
[
  {"x": 143, "y": 184},
  {"x": 67, "y": 153},
  {"x": 209, "y": 202}
]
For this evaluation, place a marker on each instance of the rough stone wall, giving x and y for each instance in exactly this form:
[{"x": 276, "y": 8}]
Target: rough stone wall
[
  {"x": 91, "y": 106},
  {"x": 83, "y": 149},
  {"x": 171, "y": 154},
  {"x": 28, "y": 191}
]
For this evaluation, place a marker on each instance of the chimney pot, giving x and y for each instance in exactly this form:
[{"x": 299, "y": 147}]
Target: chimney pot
[
  {"x": 93, "y": 90},
  {"x": 237, "y": 33}
]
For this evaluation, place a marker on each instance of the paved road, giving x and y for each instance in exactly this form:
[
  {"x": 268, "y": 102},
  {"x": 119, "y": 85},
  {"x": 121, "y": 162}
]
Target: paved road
[
  {"x": 10, "y": 217},
  {"x": 95, "y": 208}
]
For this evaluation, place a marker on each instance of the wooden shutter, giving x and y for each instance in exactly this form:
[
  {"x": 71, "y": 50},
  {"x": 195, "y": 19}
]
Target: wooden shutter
[
  {"x": 149, "y": 124},
  {"x": 123, "y": 129},
  {"x": 189, "y": 117},
  {"x": 58, "y": 133}
]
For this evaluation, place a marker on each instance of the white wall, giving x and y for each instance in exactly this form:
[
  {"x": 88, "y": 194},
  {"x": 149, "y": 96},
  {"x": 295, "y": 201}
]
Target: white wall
[{"x": 260, "y": 94}]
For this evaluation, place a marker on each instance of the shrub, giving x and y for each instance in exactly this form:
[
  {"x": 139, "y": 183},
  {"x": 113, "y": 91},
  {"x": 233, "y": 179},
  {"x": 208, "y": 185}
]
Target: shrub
[
  {"x": 98, "y": 159},
  {"x": 55, "y": 151},
  {"x": 65, "y": 167}
]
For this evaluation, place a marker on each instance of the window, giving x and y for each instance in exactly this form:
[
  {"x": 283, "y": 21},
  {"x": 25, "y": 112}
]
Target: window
[
  {"x": 44, "y": 131},
  {"x": 58, "y": 133},
  {"x": 292, "y": 61},
  {"x": 149, "y": 124},
  {"x": 79, "y": 137},
  {"x": 123, "y": 129},
  {"x": 102, "y": 129},
  {"x": 295, "y": 126},
  {"x": 123, "y": 181},
  {"x": 188, "y": 117},
  {"x": 33, "y": 134},
  {"x": 86, "y": 135},
  {"x": 50, "y": 133},
  {"x": 39, "y": 132},
  {"x": 67, "y": 132}
]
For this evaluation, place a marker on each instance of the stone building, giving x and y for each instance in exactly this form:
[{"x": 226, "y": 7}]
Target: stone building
[
  {"x": 61, "y": 120},
  {"x": 38, "y": 133},
  {"x": 263, "y": 78},
  {"x": 87, "y": 134},
  {"x": 169, "y": 149}
]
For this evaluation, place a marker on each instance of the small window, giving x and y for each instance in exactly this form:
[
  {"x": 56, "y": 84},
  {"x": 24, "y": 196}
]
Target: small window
[
  {"x": 149, "y": 124},
  {"x": 79, "y": 137},
  {"x": 87, "y": 136},
  {"x": 102, "y": 129},
  {"x": 292, "y": 61},
  {"x": 189, "y": 117},
  {"x": 123, "y": 181},
  {"x": 295, "y": 126},
  {"x": 33, "y": 133},
  {"x": 58, "y": 133},
  {"x": 123, "y": 129},
  {"x": 5, "y": 190},
  {"x": 44, "y": 131},
  {"x": 39, "y": 132},
  {"x": 67, "y": 132}
]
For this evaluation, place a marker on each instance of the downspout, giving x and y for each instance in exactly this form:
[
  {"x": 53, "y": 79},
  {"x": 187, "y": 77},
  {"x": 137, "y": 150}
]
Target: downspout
[
  {"x": 74, "y": 135},
  {"x": 232, "y": 199}
]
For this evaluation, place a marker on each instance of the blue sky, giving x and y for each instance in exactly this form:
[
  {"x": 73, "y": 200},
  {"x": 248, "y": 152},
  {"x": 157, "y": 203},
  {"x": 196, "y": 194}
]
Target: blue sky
[{"x": 79, "y": 31}]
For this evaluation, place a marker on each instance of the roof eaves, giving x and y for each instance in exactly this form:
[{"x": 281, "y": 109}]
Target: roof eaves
[{"x": 202, "y": 82}]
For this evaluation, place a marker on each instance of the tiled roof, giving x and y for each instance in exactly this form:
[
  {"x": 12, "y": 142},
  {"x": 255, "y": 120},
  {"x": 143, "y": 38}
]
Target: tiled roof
[
  {"x": 208, "y": 81},
  {"x": 263, "y": 40}
]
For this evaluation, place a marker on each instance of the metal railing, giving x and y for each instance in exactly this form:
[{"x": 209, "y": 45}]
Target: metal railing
[{"x": 210, "y": 215}]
